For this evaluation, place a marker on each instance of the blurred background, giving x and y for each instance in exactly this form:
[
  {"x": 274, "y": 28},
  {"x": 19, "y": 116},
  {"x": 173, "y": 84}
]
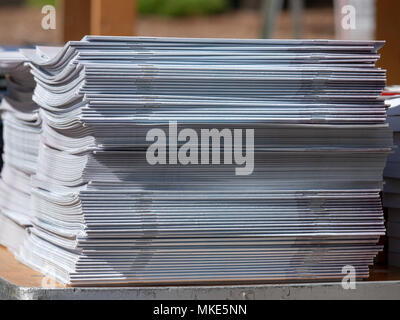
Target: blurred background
[
  {"x": 21, "y": 21},
  {"x": 183, "y": 18}
]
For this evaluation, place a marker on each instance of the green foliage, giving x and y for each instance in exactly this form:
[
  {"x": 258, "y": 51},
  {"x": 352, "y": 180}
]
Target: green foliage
[
  {"x": 173, "y": 8},
  {"x": 178, "y": 8},
  {"x": 41, "y": 3}
]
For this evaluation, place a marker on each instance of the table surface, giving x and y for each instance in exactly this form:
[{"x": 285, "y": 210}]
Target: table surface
[{"x": 17, "y": 273}]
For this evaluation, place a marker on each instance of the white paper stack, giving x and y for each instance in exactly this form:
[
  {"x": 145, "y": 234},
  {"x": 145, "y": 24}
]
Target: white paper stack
[
  {"x": 21, "y": 132},
  {"x": 104, "y": 215},
  {"x": 391, "y": 195}
]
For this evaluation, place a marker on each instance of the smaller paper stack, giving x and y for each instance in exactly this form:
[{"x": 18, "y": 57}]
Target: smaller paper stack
[
  {"x": 21, "y": 130},
  {"x": 391, "y": 196}
]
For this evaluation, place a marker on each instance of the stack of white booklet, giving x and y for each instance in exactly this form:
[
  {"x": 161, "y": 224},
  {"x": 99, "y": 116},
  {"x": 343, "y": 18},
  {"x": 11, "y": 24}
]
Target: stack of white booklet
[
  {"x": 130, "y": 188},
  {"x": 21, "y": 132},
  {"x": 391, "y": 195},
  {"x": 3, "y": 88}
]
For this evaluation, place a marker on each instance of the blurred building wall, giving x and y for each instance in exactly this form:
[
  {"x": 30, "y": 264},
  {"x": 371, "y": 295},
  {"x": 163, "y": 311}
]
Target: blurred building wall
[{"x": 388, "y": 28}]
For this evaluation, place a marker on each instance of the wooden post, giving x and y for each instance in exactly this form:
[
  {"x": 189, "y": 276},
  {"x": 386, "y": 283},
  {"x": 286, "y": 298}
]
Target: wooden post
[
  {"x": 75, "y": 19},
  {"x": 113, "y": 17},
  {"x": 97, "y": 17},
  {"x": 387, "y": 15}
]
